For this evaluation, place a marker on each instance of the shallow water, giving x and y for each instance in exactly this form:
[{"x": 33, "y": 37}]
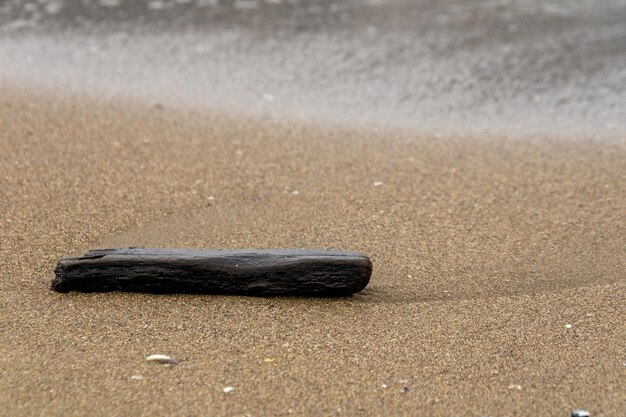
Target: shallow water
[{"x": 435, "y": 66}]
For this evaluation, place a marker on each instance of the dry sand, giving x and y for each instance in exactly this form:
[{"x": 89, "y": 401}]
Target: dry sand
[{"x": 484, "y": 249}]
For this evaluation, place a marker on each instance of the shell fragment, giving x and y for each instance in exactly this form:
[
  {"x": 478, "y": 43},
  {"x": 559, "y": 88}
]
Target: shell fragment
[{"x": 164, "y": 359}]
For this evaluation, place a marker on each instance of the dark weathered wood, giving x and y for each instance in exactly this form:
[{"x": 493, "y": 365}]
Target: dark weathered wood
[{"x": 254, "y": 272}]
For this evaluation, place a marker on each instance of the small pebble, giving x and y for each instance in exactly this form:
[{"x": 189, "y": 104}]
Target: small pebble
[
  {"x": 136, "y": 377},
  {"x": 515, "y": 386},
  {"x": 378, "y": 183},
  {"x": 568, "y": 326},
  {"x": 228, "y": 390},
  {"x": 404, "y": 389},
  {"x": 580, "y": 413},
  {"x": 164, "y": 359}
]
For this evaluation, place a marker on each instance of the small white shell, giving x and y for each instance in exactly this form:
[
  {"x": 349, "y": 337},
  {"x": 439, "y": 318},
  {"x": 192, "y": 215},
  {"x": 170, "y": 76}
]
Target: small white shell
[
  {"x": 228, "y": 390},
  {"x": 162, "y": 359}
]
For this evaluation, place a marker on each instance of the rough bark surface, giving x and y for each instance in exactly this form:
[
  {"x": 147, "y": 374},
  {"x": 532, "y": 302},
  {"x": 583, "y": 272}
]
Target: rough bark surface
[{"x": 253, "y": 272}]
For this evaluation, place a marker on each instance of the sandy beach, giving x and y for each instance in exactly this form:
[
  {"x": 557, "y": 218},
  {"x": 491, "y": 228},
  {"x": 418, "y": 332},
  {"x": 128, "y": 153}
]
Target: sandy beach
[
  {"x": 476, "y": 151},
  {"x": 498, "y": 285}
]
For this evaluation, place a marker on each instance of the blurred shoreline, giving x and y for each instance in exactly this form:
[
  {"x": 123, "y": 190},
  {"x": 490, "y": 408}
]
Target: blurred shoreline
[{"x": 494, "y": 67}]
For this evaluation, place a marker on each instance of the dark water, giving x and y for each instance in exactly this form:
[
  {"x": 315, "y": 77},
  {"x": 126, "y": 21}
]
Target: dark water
[{"x": 489, "y": 66}]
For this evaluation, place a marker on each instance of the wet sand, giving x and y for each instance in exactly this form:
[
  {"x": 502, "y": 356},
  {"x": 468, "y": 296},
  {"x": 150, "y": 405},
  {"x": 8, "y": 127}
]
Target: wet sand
[{"x": 498, "y": 285}]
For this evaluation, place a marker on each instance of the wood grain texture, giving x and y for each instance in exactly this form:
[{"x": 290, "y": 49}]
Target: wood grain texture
[{"x": 253, "y": 272}]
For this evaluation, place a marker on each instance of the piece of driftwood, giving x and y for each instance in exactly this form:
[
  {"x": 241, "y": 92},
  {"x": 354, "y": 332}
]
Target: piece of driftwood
[{"x": 253, "y": 272}]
